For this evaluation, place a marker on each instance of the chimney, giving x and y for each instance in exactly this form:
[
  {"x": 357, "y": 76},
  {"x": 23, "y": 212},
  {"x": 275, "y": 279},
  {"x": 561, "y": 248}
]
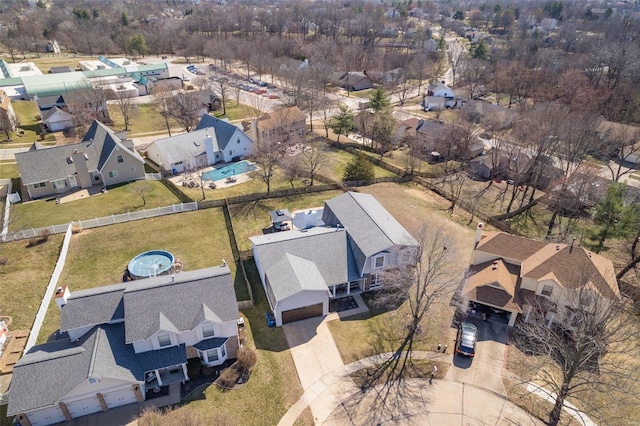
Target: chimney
[
  {"x": 62, "y": 295},
  {"x": 572, "y": 243},
  {"x": 478, "y": 234}
]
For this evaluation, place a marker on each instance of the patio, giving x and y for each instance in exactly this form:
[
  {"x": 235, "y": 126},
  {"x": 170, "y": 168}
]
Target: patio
[{"x": 194, "y": 180}]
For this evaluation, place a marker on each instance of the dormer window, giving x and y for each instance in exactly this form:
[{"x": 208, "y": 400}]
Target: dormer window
[
  {"x": 378, "y": 261},
  {"x": 164, "y": 340},
  {"x": 207, "y": 331},
  {"x": 547, "y": 290}
]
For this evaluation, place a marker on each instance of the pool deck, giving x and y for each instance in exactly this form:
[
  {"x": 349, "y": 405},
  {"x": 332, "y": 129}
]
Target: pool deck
[{"x": 222, "y": 183}]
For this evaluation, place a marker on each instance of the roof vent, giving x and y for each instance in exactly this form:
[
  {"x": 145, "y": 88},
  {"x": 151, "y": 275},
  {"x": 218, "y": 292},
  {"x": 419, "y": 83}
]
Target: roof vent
[
  {"x": 558, "y": 247},
  {"x": 69, "y": 160}
]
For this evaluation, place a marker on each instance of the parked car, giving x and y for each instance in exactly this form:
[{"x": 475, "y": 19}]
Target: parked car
[
  {"x": 261, "y": 84},
  {"x": 252, "y": 81},
  {"x": 274, "y": 97},
  {"x": 466, "y": 339}
]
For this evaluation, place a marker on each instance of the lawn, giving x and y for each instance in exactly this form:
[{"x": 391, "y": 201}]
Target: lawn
[
  {"x": 8, "y": 169},
  {"x": 144, "y": 120},
  {"x": 337, "y": 160},
  {"x": 26, "y": 112},
  {"x": 273, "y": 386},
  {"x": 249, "y": 219},
  {"x": 25, "y": 277},
  {"x": 98, "y": 256},
  {"x": 119, "y": 199},
  {"x": 236, "y": 111}
]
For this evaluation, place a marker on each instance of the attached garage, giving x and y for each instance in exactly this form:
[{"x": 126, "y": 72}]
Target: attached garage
[
  {"x": 120, "y": 397},
  {"x": 302, "y": 313},
  {"x": 84, "y": 407},
  {"x": 46, "y": 416}
]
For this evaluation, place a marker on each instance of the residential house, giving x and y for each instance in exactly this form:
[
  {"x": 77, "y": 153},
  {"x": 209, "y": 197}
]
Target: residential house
[
  {"x": 351, "y": 81},
  {"x": 125, "y": 342},
  {"x": 56, "y": 119},
  {"x": 301, "y": 269},
  {"x": 8, "y": 118},
  {"x": 508, "y": 272},
  {"x": 439, "y": 96},
  {"x": 100, "y": 158},
  {"x": 213, "y": 141},
  {"x": 285, "y": 126}
]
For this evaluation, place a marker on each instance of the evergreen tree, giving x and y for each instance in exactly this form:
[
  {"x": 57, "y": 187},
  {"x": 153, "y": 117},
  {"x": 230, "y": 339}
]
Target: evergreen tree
[
  {"x": 359, "y": 168},
  {"x": 124, "y": 19},
  {"x": 342, "y": 122},
  {"x": 613, "y": 217},
  {"x": 379, "y": 100}
]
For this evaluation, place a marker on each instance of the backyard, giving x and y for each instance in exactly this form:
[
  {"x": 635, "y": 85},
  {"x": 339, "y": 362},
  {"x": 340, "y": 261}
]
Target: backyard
[
  {"x": 25, "y": 277},
  {"x": 119, "y": 199},
  {"x": 26, "y": 112},
  {"x": 99, "y": 256},
  {"x": 145, "y": 120}
]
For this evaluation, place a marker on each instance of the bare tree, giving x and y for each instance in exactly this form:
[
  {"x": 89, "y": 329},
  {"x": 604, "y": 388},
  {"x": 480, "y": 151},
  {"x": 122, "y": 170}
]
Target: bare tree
[
  {"x": 314, "y": 159},
  {"x": 266, "y": 156},
  {"x": 162, "y": 96},
  {"x": 429, "y": 278},
  {"x": 292, "y": 167},
  {"x": 621, "y": 143},
  {"x": 456, "y": 56},
  {"x": 126, "y": 106},
  {"x": 88, "y": 103},
  {"x": 186, "y": 109},
  {"x": 586, "y": 356},
  {"x": 222, "y": 87}
]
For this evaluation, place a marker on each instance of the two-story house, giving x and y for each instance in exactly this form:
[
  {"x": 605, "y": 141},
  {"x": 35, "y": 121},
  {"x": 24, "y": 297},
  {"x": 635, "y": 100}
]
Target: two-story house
[
  {"x": 100, "y": 158},
  {"x": 121, "y": 343},
  {"x": 511, "y": 275},
  {"x": 302, "y": 268},
  {"x": 286, "y": 126},
  {"x": 439, "y": 96}
]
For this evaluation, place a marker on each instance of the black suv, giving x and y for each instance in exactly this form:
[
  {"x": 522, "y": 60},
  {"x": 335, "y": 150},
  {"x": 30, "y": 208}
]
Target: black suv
[{"x": 466, "y": 339}]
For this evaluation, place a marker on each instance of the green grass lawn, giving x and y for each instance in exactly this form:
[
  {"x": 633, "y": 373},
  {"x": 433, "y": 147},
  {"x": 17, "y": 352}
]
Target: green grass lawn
[
  {"x": 337, "y": 162},
  {"x": 273, "y": 386},
  {"x": 26, "y": 112},
  {"x": 119, "y": 199},
  {"x": 249, "y": 219},
  {"x": 8, "y": 169},
  {"x": 25, "y": 277},
  {"x": 236, "y": 111},
  {"x": 144, "y": 120},
  {"x": 98, "y": 256}
]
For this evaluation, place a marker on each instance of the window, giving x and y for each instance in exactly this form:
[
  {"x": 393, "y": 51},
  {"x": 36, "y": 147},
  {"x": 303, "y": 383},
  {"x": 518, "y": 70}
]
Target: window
[
  {"x": 378, "y": 261},
  {"x": 120, "y": 159},
  {"x": 164, "y": 340},
  {"x": 178, "y": 163},
  {"x": 96, "y": 176},
  {"x": 113, "y": 174},
  {"x": 58, "y": 184},
  {"x": 238, "y": 140},
  {"x": 93, "y": 381},
  {"x": 547, "y": 290},
  {"x": 230, "y": 152},
  {"x": 223, "y": 352},
  {"x": 212, "y": 355},
  {"x": 405, "y": 256},
  {"x": 207, "y": 331},
  {"x": 40, "y": 185}
]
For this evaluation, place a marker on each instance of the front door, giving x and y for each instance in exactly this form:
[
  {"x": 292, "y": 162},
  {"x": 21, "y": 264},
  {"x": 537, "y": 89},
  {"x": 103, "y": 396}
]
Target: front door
[{"x": 72, "y": 181}]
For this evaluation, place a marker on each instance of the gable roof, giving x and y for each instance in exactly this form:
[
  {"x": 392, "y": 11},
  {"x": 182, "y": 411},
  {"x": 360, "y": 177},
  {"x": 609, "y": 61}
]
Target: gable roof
[
  {"x": 281, "y": 117},
  {"x": 49, "y": 164},
  {"x": 324, "y": 247},
  {"x": 509, "y": 246},
  {"x": 368, "y": 223},
  {"x": 48, "y": 372},
  {"x": 181, "y": 300},
  {"x": 183, "y": 146},
  {"x": 224, "y": 130},
  {"x": 55, "y": 110}
]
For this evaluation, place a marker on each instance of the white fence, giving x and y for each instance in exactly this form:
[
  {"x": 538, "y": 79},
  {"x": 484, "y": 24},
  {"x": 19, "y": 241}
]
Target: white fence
[
  {"x": 102, "y": 221},
  {"x": 46, "y": 299},
  {"x": 153, "y": 176},
  {"x": 5, "y": 221}
]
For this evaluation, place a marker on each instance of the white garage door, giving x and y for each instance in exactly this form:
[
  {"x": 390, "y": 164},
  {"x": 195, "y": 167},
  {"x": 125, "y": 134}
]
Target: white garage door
[
  {"x": 121, "y": 397},
  {"x": 46, "y": 417},
  {"x": 84, "y": 407}
]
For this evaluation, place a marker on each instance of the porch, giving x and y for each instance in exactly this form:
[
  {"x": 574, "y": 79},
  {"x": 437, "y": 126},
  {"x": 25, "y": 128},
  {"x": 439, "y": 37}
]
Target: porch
[{"x": 165, "y": 376}]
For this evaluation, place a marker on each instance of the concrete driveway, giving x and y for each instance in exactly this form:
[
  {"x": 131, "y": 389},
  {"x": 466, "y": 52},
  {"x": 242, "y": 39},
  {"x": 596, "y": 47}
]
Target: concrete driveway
[{"x": 485, "y": 369}]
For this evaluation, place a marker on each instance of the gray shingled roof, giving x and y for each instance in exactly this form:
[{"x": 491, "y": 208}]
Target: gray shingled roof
[
  {"x": 51, "y": 163},
  {"x": 223, "y": 129},
  {"x": 324, "y": 247},
  {"x": 369, "y": 224},
  {"x": 93, "y": 307},
  {"x": 183, "y": 301},
  {"x": 292, "y": 275},
  {"x": 205, "y": 345},
  {"x": 187, "y": 145},
  {"x": 48, "y": 372}
]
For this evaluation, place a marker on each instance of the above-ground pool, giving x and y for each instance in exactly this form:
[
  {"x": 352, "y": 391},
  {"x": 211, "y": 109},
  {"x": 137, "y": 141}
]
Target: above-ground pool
[
  {"x": 229, "y": 170},
  {"x": 150, "y": 263}
]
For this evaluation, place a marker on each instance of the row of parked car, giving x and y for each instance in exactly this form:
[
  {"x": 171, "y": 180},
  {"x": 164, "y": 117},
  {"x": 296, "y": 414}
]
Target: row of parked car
[{"x": 194, "y": 70}]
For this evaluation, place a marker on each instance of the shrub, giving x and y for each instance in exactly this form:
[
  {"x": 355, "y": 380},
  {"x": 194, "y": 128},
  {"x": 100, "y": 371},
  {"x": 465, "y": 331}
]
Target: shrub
[
  {"x": 247, "y": 358},
  {"x": 360, "y": 168}
]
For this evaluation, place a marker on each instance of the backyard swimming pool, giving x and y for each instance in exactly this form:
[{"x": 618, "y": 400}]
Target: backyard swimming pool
[{"x": 229, "y": 170}]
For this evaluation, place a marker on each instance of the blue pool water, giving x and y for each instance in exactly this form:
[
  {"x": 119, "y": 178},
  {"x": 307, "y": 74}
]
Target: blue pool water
[
  {"x": 150, "y": 263},
  {"x": 230, "y": 170}
]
